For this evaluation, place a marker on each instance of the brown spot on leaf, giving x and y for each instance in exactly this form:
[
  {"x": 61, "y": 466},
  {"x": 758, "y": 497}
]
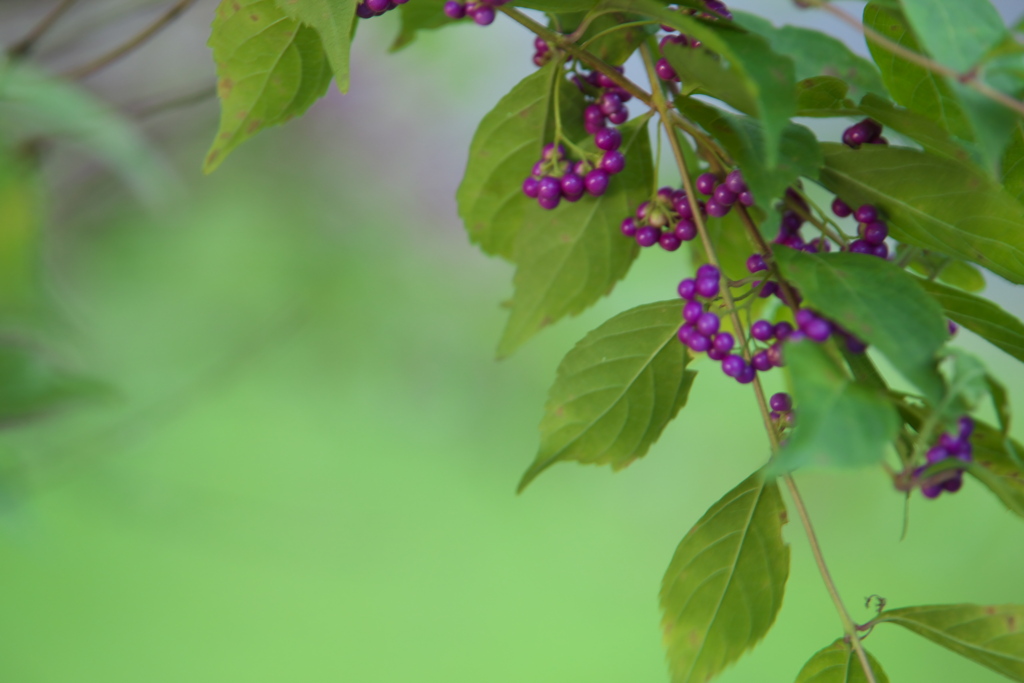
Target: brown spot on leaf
[
  {"x": 235, "y": 6},
  {"x": 253, "y": 126},
  {"x": 254, "y": 17},
  {"x": 242, "y": 114},
  {"x": 225, "y": 87},
  {"x": 545, "y": 321},
  {"x": 212, "y": 156},
  {"x": 990, "y": 611},
  {"x": 784, "y": 517},
  {"x": 1011, "y": 623},
  {"x": 694, "y": 638}
]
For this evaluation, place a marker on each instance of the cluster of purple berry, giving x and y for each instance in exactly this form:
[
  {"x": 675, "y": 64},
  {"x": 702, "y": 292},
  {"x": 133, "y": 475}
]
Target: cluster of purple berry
[
  {"x": 666, "y": 220},
  {"x": 541, "y": 51},
  {"x": 480, "y": 11},
  {"x": 555, "y": 177},
  {"x": 782, "y": 407},
  {"x": 871, "y": 228},
  {"x": 716, "y": 10},
  {"x": 608, "y": 101},
  {"x": 725, "y": 194},
  {"x": 374, "y": 8},
  {"x": 866, "y": 132},
  {"x": 949, "y": 446}
]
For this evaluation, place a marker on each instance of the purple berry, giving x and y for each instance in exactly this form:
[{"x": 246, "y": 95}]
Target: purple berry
[
  {"x": 746, "y": 198},
  {"x": 775, "y": 355},
  {"x": 755, "y": 263},
  {"x": 782, "y": 330},
  {"x": 707, "y": 324},
  {"x": 708, "y": 271},
  {"x": 881, "y": 250},
  {"x": 687, "y": 288},
  {"x": 613, "y": 162},
  {"x": 364, "y": 12},
  {"x": 684, "y": 333},
  {"x": 686, "y": 230},
  {"x": 641, "y": 211},
  {"x": 723, "y": 195},
  {"x": 572, "y": 184},
  {"x": 549, "y": 202},
  {"x": 484, "y": 16},
  {"x": 454, "y": 10},
  {"x": 855, "y": 345},
  {"x": 540, "y": 45},
  {"x": 619, "y": 117},
  {"x": 761, "y": 330},
  {"x": 610, "y": 103},
  {"x": 549, "y": 187},
  {"x": 875, "y": 232},
  {"x": 769, "y": 288},
  {"x": 931, "y": 491},
  {"x": 698, "y": 342},
  {"x": 707, "y": 287},
  {"x": 760, "y": 361},
  {"x": 804, "y": 318},
  {"x": 593, "y": 114},
  {"x": 952, "y": 327},
  {"x": 866, "y": 213},
  {"x": 531, "y": 187},
  {"x": 734, "y": 181},
  {"x": 596, "y": 182},
  {"x": 733, "y": 365},
  {"x": 791, "y": 222},
  {"x": 966, "y": 426},
  {"x": 647, "y": 236},
  {"x": 716, "y": 210},
  {"x": 629, "y": 227},
  {"x": 841, "y": 208},
  {"x": 608, "y": 139},
  {"x": 746, "y": 375},
  {"x": 953, "y": 485},
  {"x": 935, "y": 454},
  {"x": 715, "y": 354},
  {"x": 681, "y": 203},
  {"x": 692, "y": 310},
  {"x": 781, "y": 402},
  {"x": 669, "y": 241},
  {"x": 724, "y": 342},
  {"x": 818, "y": 330},
  {"x": 665, "y": 71},
  {"x": 706, "y": 183},
  {"x": 861, "y": 247}
]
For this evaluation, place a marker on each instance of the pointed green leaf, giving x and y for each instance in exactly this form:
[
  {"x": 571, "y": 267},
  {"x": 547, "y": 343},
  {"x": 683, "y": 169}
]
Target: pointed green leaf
[
  {"x": 724, "y": 586},
  {"x": 334, "y": 22},
  {"x": 918, "y": 127},
  {"x": 966, "y": 384},
  {"x": 505, "y": 147},
  {"x": 933, "y": 202},
  {"x": 990, "y": 635},
  {"x": 957, "y": 34},
  {"x": 421, "y": 15},
  {"x": 705, "y": 73},
  {"x": 615, "y": 391},
  {"x": 817, "y": 54},
  {"x": 877, "y": 301},
  {"x": 31, "y": 385},
  {"x": 768, "y": 75},
  {"x": 570, "y": 257},
  {"x": 838, "y": 663},
  {"x": 823, "y": 96},
  {"x": 963, "y": 275},
  {"x": 911, "y": 85},
  {"x": 743, "y": 138},
  {"x": 269, "y": 69},
  {"x": 610, "y": 44},
  {"x": 1013, "y": 163},
  {"x": 1001, "y": 402},
  {"x": 20, "y": 239},
  {"x": 981, "y": 316},
  {"x": 840, "y": 422},
  {"x": 998, "y": 465}
]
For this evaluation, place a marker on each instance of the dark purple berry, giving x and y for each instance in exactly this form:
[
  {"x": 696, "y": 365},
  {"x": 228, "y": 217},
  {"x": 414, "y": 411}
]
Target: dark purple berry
[
  {"x": 593, "y": 114},
  {"x": 669, "y": 241},
  {"x": 719, "y": 8},
  {"x": 936, "y": 453},
  {"x": 723, "y": 195},
  {"x": 692, "y": 310},
  {"x": 641, "y": 210},
  {"x": 746, "y": 375},
  {"x": 608, "y": 139},
  {"x": 364, "y": 12},
  {"x": 953, "y": 485},
  {"x": 791, "y": 222},
  {"x": 455, "y": 10},
  {"x": 952, "y": 327},
  {"x": 613, "y": 162},
  {"x": 734, "y": 181},
  {"x": 484, "y": 16},
  {"x": 755, "y": 263},
  {"x": 724, "y": 342},
  {"x": 610, "y": 103},
  {"x": 647, "y": 236},
  {"x": 818, "y": 330},
  {"x": 733, "y": 365},
  {"x": 769, "y": 288},
  {"x": 966, "y": 426},
  {"x": 775, "y": 355},
  {"x": 716, "y": 210},
  {"x": 698, "y": 342},
  {"x": 855, "y": 345},
  {"x": 687, "y": 288},
  {"x": 841, "y": 208},
  {"x": 715, "y": 354},
  {"x": 931, "y": 491},
  {"x": 531, "y": 187},
  {"x": 866, "y": 213},
  {"x": 596, "y": 182},
  {"x": 540, "y": 45},
  {"x": 549, "y": 202},
  {"x": 861, "y": 247},
  {"x": 781, "y": 402},
  {"x": 572, "y": 184},
  {"x": 708, "y": 271},
  {"x": 881, "y": 250},
  {"x": 707, "y": 324},
  {"x": 629, "y": 227},
  {"x": 665, "y": 71},
  {"x": 804, "y": 318},
  {"x": 619, "y": 117},
  {"x": 706, "y": 183},
  {"x": 760, "y": 361},
  {"x": 782, "y": 330},
  {"x": 762, "y": 330},
  {"x": 684, "y": 333},
  {"x": 549, "y": 187},
  {"x": 746, "y": 198},
  {"x": 686, "y": 230}
]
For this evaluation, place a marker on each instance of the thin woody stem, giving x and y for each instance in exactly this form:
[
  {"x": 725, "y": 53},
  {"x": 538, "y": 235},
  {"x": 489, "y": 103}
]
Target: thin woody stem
[
  {"x": 133, "y": 43},
  {"x": 970, "y": 79},
  {"x": 849, "y": 626},
  {"x": 23, "y": 47}
]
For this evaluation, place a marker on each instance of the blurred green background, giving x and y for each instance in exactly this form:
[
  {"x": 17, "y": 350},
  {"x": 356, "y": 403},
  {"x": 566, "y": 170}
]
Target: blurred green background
[{"x": 307, "y": 470}]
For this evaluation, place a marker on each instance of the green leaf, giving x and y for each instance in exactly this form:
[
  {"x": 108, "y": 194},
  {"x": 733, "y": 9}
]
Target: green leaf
[
  {"x": 615, "y": 391},
  {"x": 817, "y": 54},
  {"x": 966, "y": 384},
  {"x": 838, "y": 663},
  {"x": 421, "y": 15},
  {"x": 705, "y": 73},
  {"x": 20, "y": 239},
  {"x": 911, "y": 85},
  {"x": 1013, "y": 164},
  {"x": 933, "y": 202},
  {"x": 957, "y": 34},
  {"x": 989, "y": 635},
  {"x": 570, "y": 257},
  {"x": 724, "y": 586},
  {"x": 1001, "y": 402},
  {"x": 840, "y": 422},
  {"x": 31, "y": 385},
  {"x": 918, "y": 127},
  {"x": 963, "y": 275},
  {"x": 269, "y": 70},
  {"x": 981, "y": 316},
  {"x": 879, "y": 303},
  {"x": 823, "y": 96},
  {"x": 334, "y": 22},
  {"x": 505, "y": 146},
  {"x": 614, "y": 47},
  {"x": 768, "y": 75},
  {"x": 998, "y": 465},
  {"x": 743, "y": 138},
  {"x": 34, "y": 104}
]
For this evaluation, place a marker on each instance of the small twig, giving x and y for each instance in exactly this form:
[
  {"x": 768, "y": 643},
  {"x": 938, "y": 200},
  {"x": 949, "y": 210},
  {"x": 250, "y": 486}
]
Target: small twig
[
  {"x": 130, "y": 45},
  {"x": 23, "y": 47},
  {"x": 969, "y": 79},
  {"x": 144, "y": 111}
]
